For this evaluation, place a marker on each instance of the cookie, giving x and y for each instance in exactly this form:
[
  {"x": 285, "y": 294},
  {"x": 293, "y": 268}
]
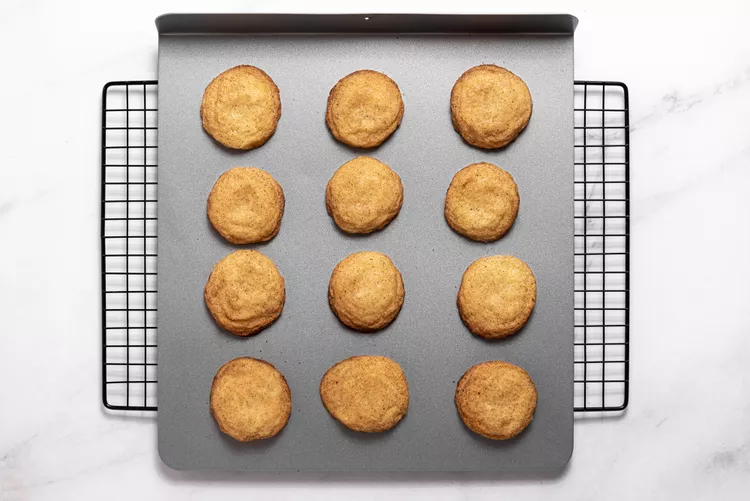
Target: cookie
[
  {"x": 366, "y": 393},
  {"x": 481, "y": 202},
  {"x": 241, "y": 108},
  {"x": 245, "y": 205},
  {"x": 366, "y": 291},
  {"x": 364, "y": 108},
  {"x": 490, "y": 106},
  {"x": 496, "y": 399},
  {"x": 245, "y": 292},
  {"x": 496, "y": 296},
  {"x": 250, "y": 399},
  {"x": 364, "y": 195}
]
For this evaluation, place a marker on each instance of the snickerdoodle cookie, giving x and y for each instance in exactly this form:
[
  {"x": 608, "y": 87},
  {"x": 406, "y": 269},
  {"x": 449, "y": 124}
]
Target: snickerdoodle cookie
[
  {"x": 366, "y": 393},
  {"x": 245, "y": 205},
  {"x": 490, "y": 106},
  {"x": 482, "y": 202},
  {"x": 250, "y": 399},
  {"x": 364, "y": 108},
  {"x": 496, "y": 399},
  {"x": 364, "y": 195},
  {"x": 245, "y": 292},
  {"x": 496, "y": 296},
  {"x": 366, "y": 291},
  {"x": 241, "y": 107}
]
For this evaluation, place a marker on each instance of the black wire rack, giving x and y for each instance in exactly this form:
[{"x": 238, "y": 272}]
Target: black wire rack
[
  {"x": 129, "y": 250},
  {"x": 602, "y": 247},
  {"x": 128, "y": 239}
]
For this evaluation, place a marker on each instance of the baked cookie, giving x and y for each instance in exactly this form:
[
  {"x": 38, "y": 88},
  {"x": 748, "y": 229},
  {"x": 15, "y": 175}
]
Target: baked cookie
[
  {"x": 241, "y": 108},
  {"x": 245, "y": 292},
  {"x": 490, "y": 106},
  {"x": 496, "y": 399},
  {"x": 250, "y": 399},
  {"x": 245, "y": 205},
  {"x": 481, "y": 202},
  {"x": 364, "y": 108},
  {"x": 496, "y": 296},
  {"x": 366, "y": 291},
  {"x": 364, "y": 195},
  {"x": 365, "y": 393}
]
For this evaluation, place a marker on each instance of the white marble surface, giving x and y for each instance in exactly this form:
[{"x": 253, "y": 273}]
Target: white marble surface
[{"x": 686, "y": 433}]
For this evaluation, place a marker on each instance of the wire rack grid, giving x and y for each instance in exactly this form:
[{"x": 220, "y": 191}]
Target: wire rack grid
[
  {"x": 602, "y": 247},
  {"x": 129, "y": 246},
  {"x": 128, "y": 239}
]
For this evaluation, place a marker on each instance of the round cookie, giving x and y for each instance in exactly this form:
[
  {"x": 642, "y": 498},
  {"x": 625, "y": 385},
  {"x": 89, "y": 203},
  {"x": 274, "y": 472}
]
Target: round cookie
[
  {"x": 245, "y": 292},
  {"x": 364, "y": 195},
  {"x": 364, "y": 108},
  {"x": 245, "y": 205},
  {"x": 241, "y": 108},
  {"x": 496, "y": 296},
  {"x": 366, "y": 393},
  {"x": 490, "y": 106},
  {"x": 496, "y": 399},
  {"x": 250, "y": 399},
  {"x": 366, "y": 291},
  {"x": 481, "y": 202}
]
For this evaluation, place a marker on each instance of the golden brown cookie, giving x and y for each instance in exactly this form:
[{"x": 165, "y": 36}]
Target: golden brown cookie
[
  {"x": 241, "y": 108},
  {"x": 245, "y": 292},
  {"x": 481, "y": 202},
  {"x": 364, "y": 195},
  {"x": 364, "y": 108},
  {"x": 245, "y": 205},
  {"x": 250, "y": 399},
  {"x": 496, "y": 296},
  {"x": 496, "y": 399},
  {"x": 366, "y": 291},
  {"x": 490, "y": 106},
  {"x": 366, "y": 393}
]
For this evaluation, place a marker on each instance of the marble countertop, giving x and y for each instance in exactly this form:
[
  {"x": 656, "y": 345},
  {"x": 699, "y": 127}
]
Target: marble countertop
[{"x": 686, "y": 433}]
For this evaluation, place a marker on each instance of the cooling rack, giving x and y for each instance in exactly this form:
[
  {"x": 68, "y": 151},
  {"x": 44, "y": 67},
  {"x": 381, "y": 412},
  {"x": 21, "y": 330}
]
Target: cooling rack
[{"x": 129, "y": 246}]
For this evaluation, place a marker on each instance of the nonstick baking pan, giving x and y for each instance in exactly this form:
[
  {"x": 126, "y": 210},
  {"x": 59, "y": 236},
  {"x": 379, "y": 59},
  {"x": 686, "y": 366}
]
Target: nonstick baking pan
[{"x": 306, "y": 55}]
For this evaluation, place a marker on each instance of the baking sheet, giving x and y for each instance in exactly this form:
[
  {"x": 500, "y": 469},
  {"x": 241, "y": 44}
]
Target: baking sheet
[{"x": 427, "y": 339}]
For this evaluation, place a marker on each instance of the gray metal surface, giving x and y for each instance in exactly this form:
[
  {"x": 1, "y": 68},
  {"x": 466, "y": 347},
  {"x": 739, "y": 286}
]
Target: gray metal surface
[{"x": 427, "y": 338}]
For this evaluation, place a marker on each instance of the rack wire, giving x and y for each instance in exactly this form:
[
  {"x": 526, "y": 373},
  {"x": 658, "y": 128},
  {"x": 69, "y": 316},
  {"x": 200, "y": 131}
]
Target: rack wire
[
  {"x": 129, "y": 250},
  {"x": 128, "y": 239},
  {"x": 602, "y": 247}
]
